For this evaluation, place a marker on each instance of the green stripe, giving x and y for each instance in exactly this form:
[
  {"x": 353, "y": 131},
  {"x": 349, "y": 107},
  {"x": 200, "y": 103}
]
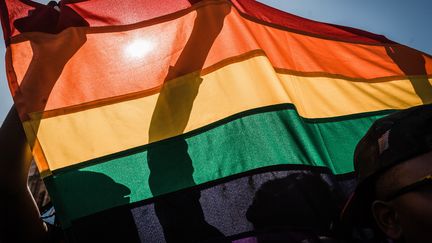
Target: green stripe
[{"x": 245, "y": 143}]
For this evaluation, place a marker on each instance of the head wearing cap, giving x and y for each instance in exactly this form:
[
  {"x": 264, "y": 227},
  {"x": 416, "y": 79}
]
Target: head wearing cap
[{"x": 391, "y": 140}]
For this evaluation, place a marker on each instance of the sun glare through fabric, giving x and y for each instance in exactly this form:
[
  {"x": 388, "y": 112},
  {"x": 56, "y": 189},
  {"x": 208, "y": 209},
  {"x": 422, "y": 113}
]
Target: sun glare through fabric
[{"x": 138, "y": 48}]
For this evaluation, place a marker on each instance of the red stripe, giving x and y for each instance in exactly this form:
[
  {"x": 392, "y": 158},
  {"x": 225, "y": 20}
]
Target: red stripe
[
  {"x": 274, "y": 16},
  {"x": 4, "y": 16},
  {"x": 91, "y": 13},
  {"x": 113, "y": 12}
]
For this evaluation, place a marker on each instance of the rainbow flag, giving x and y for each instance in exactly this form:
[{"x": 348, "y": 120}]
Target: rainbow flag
[{"x": 129, "y": 102}]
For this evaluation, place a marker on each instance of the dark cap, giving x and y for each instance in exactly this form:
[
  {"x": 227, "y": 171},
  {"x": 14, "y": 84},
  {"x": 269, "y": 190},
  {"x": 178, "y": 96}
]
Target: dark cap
[{"x": 389, "y": 141}]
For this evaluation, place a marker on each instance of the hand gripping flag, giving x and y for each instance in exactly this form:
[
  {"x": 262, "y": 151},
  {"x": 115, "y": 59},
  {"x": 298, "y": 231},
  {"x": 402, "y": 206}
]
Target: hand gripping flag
[{"x": 197, "y": 116}]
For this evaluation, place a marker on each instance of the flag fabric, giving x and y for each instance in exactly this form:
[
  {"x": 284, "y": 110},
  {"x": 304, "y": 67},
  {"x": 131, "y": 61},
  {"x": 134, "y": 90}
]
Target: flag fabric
[{"x": 168, "y": 109}]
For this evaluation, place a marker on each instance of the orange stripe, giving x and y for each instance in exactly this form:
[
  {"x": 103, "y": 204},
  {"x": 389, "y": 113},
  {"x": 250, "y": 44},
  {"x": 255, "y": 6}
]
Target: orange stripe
[{"x": 78, "y": 66}]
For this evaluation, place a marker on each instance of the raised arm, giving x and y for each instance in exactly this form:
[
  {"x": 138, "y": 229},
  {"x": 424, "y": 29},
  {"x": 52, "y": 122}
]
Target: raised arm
[{"x": 20, "y": 219}]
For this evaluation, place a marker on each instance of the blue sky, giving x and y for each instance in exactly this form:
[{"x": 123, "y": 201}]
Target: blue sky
[{"x": 406, "y": 22}]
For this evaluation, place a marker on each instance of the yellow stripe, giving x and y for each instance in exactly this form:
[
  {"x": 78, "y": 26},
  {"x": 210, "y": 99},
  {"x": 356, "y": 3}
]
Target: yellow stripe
[
  {"x": 38, "y": 154},
  {"x": 238, "y": 87}
]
